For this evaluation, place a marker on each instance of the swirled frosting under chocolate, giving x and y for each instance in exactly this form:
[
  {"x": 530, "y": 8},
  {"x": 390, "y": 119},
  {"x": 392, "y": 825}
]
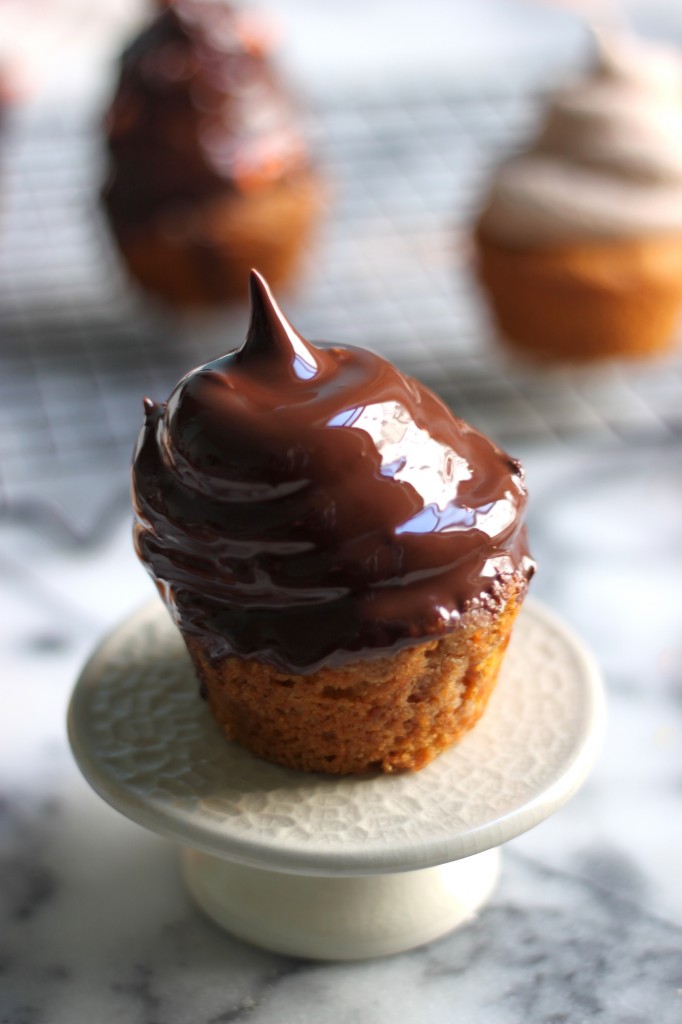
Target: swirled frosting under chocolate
[
  {"x": 306, "y": 505},
  {"x": 198, "y": 112}
]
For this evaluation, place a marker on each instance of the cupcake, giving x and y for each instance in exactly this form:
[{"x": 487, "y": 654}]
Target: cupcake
[
  {"x": 579, "y": 242},
  {"x": 209, "y": 174},
  {"x": 344, "y": 558}
]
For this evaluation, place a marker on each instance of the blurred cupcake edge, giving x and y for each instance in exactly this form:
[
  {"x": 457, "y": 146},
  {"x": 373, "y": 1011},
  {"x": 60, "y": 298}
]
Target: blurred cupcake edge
[
  {"x": 209, "y": 173},
  {"x": 579, "y": 239}
]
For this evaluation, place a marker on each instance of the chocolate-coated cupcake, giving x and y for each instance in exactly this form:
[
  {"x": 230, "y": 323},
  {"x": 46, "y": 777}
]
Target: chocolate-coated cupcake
[{"x": 344, "y": 558}]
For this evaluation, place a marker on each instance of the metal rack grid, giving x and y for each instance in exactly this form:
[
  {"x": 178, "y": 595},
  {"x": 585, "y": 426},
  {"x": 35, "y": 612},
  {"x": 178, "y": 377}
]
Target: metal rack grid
[{"x": 79, "y": 347}]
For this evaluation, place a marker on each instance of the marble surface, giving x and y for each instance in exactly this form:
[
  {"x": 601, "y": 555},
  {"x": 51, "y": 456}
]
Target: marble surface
[{"x": 586, "y": 924}]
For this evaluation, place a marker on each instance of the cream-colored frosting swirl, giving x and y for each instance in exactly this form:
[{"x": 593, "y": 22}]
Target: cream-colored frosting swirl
[{"x": 607, "y": 162}]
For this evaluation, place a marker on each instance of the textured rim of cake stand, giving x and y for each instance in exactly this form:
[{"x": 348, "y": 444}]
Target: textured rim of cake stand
[{"x": 323, "y": 866}]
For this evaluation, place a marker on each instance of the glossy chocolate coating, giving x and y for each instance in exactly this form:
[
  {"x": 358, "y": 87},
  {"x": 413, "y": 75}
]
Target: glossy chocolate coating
[
  {"x": 307, "y": 505},
  {"x": 198, "y": 113}
]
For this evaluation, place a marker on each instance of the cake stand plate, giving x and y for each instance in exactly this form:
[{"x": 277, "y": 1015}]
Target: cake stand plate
[{"x": 323, "y": 866}]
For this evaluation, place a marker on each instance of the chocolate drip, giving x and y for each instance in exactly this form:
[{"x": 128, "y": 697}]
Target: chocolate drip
[{"x": 306, "y": 505}]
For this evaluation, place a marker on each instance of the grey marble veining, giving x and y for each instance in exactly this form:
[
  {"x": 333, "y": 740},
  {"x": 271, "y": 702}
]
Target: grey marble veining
[
  {"x": 113, "y": 937},
  {"x": 586, "y": 924}
]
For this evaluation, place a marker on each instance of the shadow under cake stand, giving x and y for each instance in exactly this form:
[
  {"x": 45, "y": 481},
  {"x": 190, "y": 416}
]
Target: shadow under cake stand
[{"x": 334, "y": 867}]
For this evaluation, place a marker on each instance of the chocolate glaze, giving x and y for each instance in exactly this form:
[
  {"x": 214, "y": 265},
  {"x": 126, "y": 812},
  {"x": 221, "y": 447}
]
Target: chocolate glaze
[
  {"x": 198, "y": 112},
  {"x": 307, "y": 505}
]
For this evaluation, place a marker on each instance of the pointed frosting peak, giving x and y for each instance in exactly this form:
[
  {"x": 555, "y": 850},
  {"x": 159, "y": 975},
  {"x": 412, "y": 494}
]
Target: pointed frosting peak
[{"x": 271, "y": 336}]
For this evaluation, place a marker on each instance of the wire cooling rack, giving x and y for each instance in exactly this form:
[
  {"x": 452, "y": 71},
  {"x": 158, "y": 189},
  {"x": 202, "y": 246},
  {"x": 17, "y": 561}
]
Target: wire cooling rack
[{"x": 79, "y": 347}]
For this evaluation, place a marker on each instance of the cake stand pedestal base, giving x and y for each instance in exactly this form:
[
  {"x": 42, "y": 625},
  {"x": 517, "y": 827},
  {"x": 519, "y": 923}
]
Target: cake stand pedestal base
[
  {"x": 342, "y": 918},
  {"x": 335, "y": 867}
]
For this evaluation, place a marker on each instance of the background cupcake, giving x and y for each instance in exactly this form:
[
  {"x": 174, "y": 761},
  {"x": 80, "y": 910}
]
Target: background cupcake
[
  {"x": 209, "y": 173},
  {"x": 579, "y": 241}
]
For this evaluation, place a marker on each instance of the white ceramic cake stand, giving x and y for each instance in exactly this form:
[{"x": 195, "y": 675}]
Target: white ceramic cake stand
[{"x": 321, "y": 866}]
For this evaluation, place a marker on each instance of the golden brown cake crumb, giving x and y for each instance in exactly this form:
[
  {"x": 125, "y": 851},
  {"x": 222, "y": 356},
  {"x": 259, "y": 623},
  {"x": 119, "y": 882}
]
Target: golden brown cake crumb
[
  {"x": 582, "y": 302},
  {"x": 386, "y": 714}
]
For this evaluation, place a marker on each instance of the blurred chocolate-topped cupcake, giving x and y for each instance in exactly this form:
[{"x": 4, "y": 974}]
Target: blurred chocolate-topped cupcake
[{"x": 209, "y": 172}]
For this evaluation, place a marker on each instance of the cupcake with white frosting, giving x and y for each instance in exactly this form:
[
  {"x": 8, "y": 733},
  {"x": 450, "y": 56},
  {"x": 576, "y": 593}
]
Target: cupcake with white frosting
[{"x": 580, "y": 238}]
